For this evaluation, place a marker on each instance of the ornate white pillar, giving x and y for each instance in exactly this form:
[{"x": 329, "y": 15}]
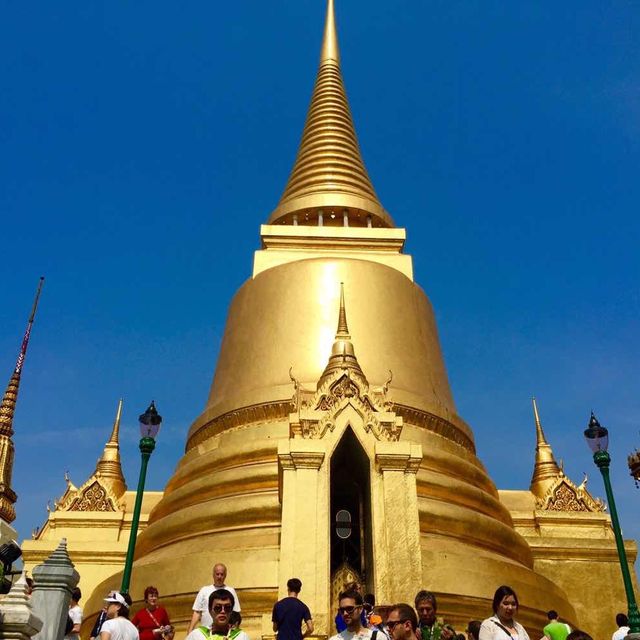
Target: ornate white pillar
[
  {"x": 396, "y": 522},
  {"x": 304, "y": 543}
]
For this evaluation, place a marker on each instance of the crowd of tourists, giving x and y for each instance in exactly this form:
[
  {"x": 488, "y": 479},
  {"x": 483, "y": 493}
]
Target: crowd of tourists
[{"x": 216, "y": 616}]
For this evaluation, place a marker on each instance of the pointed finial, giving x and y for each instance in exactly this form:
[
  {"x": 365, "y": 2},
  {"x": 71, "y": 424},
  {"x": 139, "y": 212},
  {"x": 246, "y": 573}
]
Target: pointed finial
[
  {"x": 109, "y": 468},
  {"x": 8, "y": 496},
  {"x": 540, "y": 438},
  {"x": 60, "y": 555},
  {"x": 27, "y": 334},
  {"x": 546, "y": 469},
  {"x": 343, "y": 355},
  {"x": 343, "y": 329},
  {"x": 8, "y": 404},
  {"x": 330, "y": 52},
  {"x": 115, "y": 433},
  {"x": 18, "y": 594}
]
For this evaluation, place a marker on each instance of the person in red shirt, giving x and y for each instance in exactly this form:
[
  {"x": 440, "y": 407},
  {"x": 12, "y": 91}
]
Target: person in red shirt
[{"x": 152, "y": 621}]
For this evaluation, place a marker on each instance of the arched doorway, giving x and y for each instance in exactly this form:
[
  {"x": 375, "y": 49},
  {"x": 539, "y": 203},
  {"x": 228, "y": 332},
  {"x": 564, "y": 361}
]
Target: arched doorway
[{"x": 351, "y": 491}]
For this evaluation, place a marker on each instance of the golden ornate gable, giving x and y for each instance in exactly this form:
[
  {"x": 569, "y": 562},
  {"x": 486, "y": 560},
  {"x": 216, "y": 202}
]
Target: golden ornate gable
[
  {"x": 94, "y": 495},
  {"x": 317, "y": 411},
  {"x": 564, "y": 495},
  {"x": 105, "y": 488}
]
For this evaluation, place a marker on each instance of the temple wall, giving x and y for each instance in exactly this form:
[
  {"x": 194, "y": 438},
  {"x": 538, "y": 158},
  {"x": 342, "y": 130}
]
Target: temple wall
[
  {"x": 258, "y": 501},
  {"x": 96, "y": 540},
  {"x": 577, "y": 552}
]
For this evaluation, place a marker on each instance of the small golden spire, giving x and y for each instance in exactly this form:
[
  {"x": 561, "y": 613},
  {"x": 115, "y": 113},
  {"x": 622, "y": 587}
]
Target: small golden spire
[
  {"x": 343, "y": 355},
  {"x": 343, "y": 329},
  {"x": 8, "y": 405},
  {"x": 546, "y": 469},
  {"x": 109, "y": 467},
  {"x": 329, "y": 183},
  {"x": 330, "y": 52},
  {"x": 8, "y": 497},
  {"x": 115, "y": 432}
]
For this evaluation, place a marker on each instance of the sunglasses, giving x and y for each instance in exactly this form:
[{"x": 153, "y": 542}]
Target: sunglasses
[
  {"x": 219, "y": 608},
  {"x": 350, "y": 609},
  {"x": 391, "y": 624}
]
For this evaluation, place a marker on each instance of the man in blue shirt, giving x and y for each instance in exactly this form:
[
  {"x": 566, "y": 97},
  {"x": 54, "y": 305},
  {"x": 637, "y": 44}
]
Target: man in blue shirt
[{"x": 290, "y": 612}]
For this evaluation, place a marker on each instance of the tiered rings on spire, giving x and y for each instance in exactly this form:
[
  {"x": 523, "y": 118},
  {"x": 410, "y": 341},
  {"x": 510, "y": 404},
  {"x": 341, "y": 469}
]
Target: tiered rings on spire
[
  {"x": 7, "y": 410},
  {"x": 329, "y": 184},
  {"x": 109, "y": 467}
]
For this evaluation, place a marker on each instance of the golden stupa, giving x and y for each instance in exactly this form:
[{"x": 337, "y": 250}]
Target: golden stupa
[{"x": 303, "y": 421}]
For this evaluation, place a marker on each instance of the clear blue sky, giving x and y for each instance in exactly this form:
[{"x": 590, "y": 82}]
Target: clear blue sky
[{"x": 144, "y": 143}]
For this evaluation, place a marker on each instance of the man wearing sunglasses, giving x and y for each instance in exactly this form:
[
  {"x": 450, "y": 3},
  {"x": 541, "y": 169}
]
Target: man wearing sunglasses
[
  {"x": 350, "y": 608},
  {"x": 221, "y": 604},
  {"x": 402, "y": 622}
]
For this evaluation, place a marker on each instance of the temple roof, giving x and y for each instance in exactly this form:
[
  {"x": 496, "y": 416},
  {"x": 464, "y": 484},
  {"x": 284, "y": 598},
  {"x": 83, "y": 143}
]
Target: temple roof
[
  {"x": 105, "y": 488},
  {"x": 329, "y": 174},
  {"x": 550, "y": 487}
]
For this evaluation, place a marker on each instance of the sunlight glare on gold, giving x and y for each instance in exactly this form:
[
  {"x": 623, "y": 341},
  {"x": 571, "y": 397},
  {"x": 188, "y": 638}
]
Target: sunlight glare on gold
[{"x": 329, "y": 306}]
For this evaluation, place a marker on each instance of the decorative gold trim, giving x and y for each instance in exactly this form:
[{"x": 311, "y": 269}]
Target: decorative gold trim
[
  {"x": 243, "y": 417},
  {"x": 435, "y": 424}
]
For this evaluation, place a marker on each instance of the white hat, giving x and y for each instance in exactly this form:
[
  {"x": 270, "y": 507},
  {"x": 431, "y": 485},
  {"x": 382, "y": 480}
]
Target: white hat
[{"x": 114, "y": 596}]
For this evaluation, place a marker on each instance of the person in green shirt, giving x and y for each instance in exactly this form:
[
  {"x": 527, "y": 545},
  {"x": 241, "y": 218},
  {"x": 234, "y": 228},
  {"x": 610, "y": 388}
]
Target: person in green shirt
[
  {"x": 429, "y": 628},
  {"x": 556, "y": 630}
]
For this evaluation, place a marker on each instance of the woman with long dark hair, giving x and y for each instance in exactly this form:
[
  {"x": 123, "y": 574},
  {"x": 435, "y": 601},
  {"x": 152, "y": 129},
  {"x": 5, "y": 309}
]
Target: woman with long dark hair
[{"x": 502, "y": 625}]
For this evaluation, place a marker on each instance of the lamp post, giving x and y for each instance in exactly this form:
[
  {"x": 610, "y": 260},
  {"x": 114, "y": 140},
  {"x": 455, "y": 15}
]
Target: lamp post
[
  {"x": 597, "y": 438},
  {"x": 150, "y": 422}
]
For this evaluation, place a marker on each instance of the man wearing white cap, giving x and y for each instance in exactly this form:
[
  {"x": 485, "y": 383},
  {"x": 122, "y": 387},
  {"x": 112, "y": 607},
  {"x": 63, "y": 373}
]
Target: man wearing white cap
[{"x": 117, "y": 625}]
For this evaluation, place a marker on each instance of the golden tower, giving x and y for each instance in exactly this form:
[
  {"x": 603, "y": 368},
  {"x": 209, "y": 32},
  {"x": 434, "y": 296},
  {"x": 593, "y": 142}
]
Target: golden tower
[
  {"x": 7, "y": 410},
  {"x": 298, "y": 427},
  {"x": 546, "y": 469}
]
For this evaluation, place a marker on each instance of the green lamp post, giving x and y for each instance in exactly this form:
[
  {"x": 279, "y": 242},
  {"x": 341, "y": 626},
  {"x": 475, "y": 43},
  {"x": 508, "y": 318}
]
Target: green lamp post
[
  {"x": 150, "y": 422},
  {"x": 597, "y": 438}
]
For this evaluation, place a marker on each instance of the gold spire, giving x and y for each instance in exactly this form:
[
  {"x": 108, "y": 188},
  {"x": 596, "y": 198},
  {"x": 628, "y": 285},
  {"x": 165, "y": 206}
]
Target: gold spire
[
  {"x": 115, "y": 432},
  {"x": 342, "y": 355},
  {"x": 7, "y": 410},
  {"x": 546, "y": 469},
  {"x": 330, "y": 52},
  {"x": 343, "y": 329},
  {"x": 329, "y": 183},
  {"x": 109, "y": 468}
]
